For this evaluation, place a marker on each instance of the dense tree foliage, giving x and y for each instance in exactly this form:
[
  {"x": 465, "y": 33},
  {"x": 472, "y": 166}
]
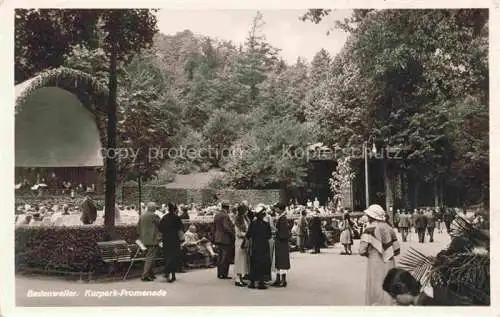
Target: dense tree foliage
[
  {"x": 120, "y": 33},
  {"x": 413, "y": 72},
  {"x": 415, "y": 80},
  {"x": 43, "y": 37}
]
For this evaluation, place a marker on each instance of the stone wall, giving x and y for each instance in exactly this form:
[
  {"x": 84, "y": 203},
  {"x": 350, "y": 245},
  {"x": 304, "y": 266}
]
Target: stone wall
[{"x": 161, "y": 194}]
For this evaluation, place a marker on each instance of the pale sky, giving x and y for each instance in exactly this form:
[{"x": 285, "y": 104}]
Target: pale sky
[{"x": 282, "y": 28}]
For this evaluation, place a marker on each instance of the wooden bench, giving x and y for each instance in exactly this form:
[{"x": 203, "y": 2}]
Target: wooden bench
[
  {"x": 138, "y": 253},
  {"x": 114, "y": 252},
  {"x": 117, "y": 251}
]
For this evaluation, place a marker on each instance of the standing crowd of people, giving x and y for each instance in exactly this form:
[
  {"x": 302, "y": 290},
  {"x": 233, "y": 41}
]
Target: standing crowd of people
[
  {"x": 256, "y": 241},
  {"x": 425, "y": 221}
]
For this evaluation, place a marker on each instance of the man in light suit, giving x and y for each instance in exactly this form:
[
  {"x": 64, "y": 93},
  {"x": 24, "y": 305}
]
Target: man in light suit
[
  {"x": 148, "y": 231},
  {"x": 404, "y": 225},
  {"x": 303, "y": 231},
  {"x": 224, "y": 238}
]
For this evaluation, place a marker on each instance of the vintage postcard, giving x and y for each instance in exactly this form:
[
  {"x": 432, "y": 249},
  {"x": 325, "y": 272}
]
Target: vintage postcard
[{"x": 225, "y": 157}]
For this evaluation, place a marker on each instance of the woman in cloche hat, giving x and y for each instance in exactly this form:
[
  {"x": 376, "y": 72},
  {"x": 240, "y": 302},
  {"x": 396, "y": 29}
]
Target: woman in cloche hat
[{"x": 379, "y": 243}]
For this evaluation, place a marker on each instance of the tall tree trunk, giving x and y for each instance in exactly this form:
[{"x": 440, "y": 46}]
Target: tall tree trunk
[
  {"x": 406, "y": 197},
  {"x": 415, "y": 194},
  {"x": 441, "y": 194},
  {"x": 253, "y": 92},
  {"x": 389, "y": 193},
  {"x": 139, "y": 183},
  {"x": 111, "y": 166},
  {"x": 284, "y": 193},
  {"x": 398, "y": 192}
]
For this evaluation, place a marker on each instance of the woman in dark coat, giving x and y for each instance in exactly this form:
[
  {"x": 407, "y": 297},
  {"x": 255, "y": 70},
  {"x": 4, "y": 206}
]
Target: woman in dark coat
[
  {"x": 259, "y": 233},
  {"x": 89, "y": 211},
  {"x": 281, "y": 247},
  {"x": 170, "y": 228},
  {"x": 316, "y": 233}
]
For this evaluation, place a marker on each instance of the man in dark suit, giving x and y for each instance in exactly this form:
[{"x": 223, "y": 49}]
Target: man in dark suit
[
  {"x": 431, "y": 224},
  {"x": 316, "y": 233},
  {"x": 421, "y": 225},
  {"x": 148, "y": 231},
  {"x": 224, "y": 238}
]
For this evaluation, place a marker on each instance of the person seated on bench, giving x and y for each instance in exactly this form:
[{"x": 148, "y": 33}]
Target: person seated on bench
[
  {"x": 194, "y": 245},
  {"x": 185, "y": 214},
  {"x": 293, "y": 237},
  {"x": 327, "y": 230}
]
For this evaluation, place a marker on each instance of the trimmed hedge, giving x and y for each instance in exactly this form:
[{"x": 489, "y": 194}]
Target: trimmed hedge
[
  {"x": 162, "y": 194},
  {"x": 74, "y": 249}
]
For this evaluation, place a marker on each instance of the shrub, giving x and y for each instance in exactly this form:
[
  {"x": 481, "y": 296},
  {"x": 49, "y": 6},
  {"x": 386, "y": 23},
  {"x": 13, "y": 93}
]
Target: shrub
[
  {"x": 218, "y": 183},
  {"x": 205, "y": 167},
  {"x": 72, "y": 249},
  {"x": 164, "y": 176}
]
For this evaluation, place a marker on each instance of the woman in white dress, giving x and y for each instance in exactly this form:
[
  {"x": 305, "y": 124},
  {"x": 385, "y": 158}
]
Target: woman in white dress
[
  {"x": 346, "y": 234},
  {"x": 270, "y": 218},
  {"x": 240, "y": 246},
  {"x": 380, "y": 245}
]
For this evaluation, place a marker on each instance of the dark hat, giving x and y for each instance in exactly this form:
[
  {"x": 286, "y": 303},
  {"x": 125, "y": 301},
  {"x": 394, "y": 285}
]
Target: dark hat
[
  {"x": 242, "y": 209},
  {"x": 172, "y": 207},
  {"x": 279, "y": 206},
  {"x": 398, "y": 282}
]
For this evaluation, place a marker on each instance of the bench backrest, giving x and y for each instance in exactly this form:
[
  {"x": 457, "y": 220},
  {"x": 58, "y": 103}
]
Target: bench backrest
[{"x": 117, "y": 250}]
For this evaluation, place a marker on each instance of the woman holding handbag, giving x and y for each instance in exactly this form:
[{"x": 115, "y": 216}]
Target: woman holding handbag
[{"x": 241, "y": 246}]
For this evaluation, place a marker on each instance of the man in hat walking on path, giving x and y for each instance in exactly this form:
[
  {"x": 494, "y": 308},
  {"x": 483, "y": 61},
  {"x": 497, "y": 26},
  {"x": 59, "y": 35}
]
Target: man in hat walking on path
[
  {"x": 224, "y": 237},
  {"x": 431, "y": 224},
  {"x": 420, "y": 226},
  {"x": 404, "y": 225}
]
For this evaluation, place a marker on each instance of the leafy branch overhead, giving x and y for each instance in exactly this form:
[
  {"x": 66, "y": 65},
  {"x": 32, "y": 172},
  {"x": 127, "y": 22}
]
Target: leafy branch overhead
[
  {"x": 459, "y": 274},
  {"x": 406, "y": 77},
  {"x": 414, "y": 80}
]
